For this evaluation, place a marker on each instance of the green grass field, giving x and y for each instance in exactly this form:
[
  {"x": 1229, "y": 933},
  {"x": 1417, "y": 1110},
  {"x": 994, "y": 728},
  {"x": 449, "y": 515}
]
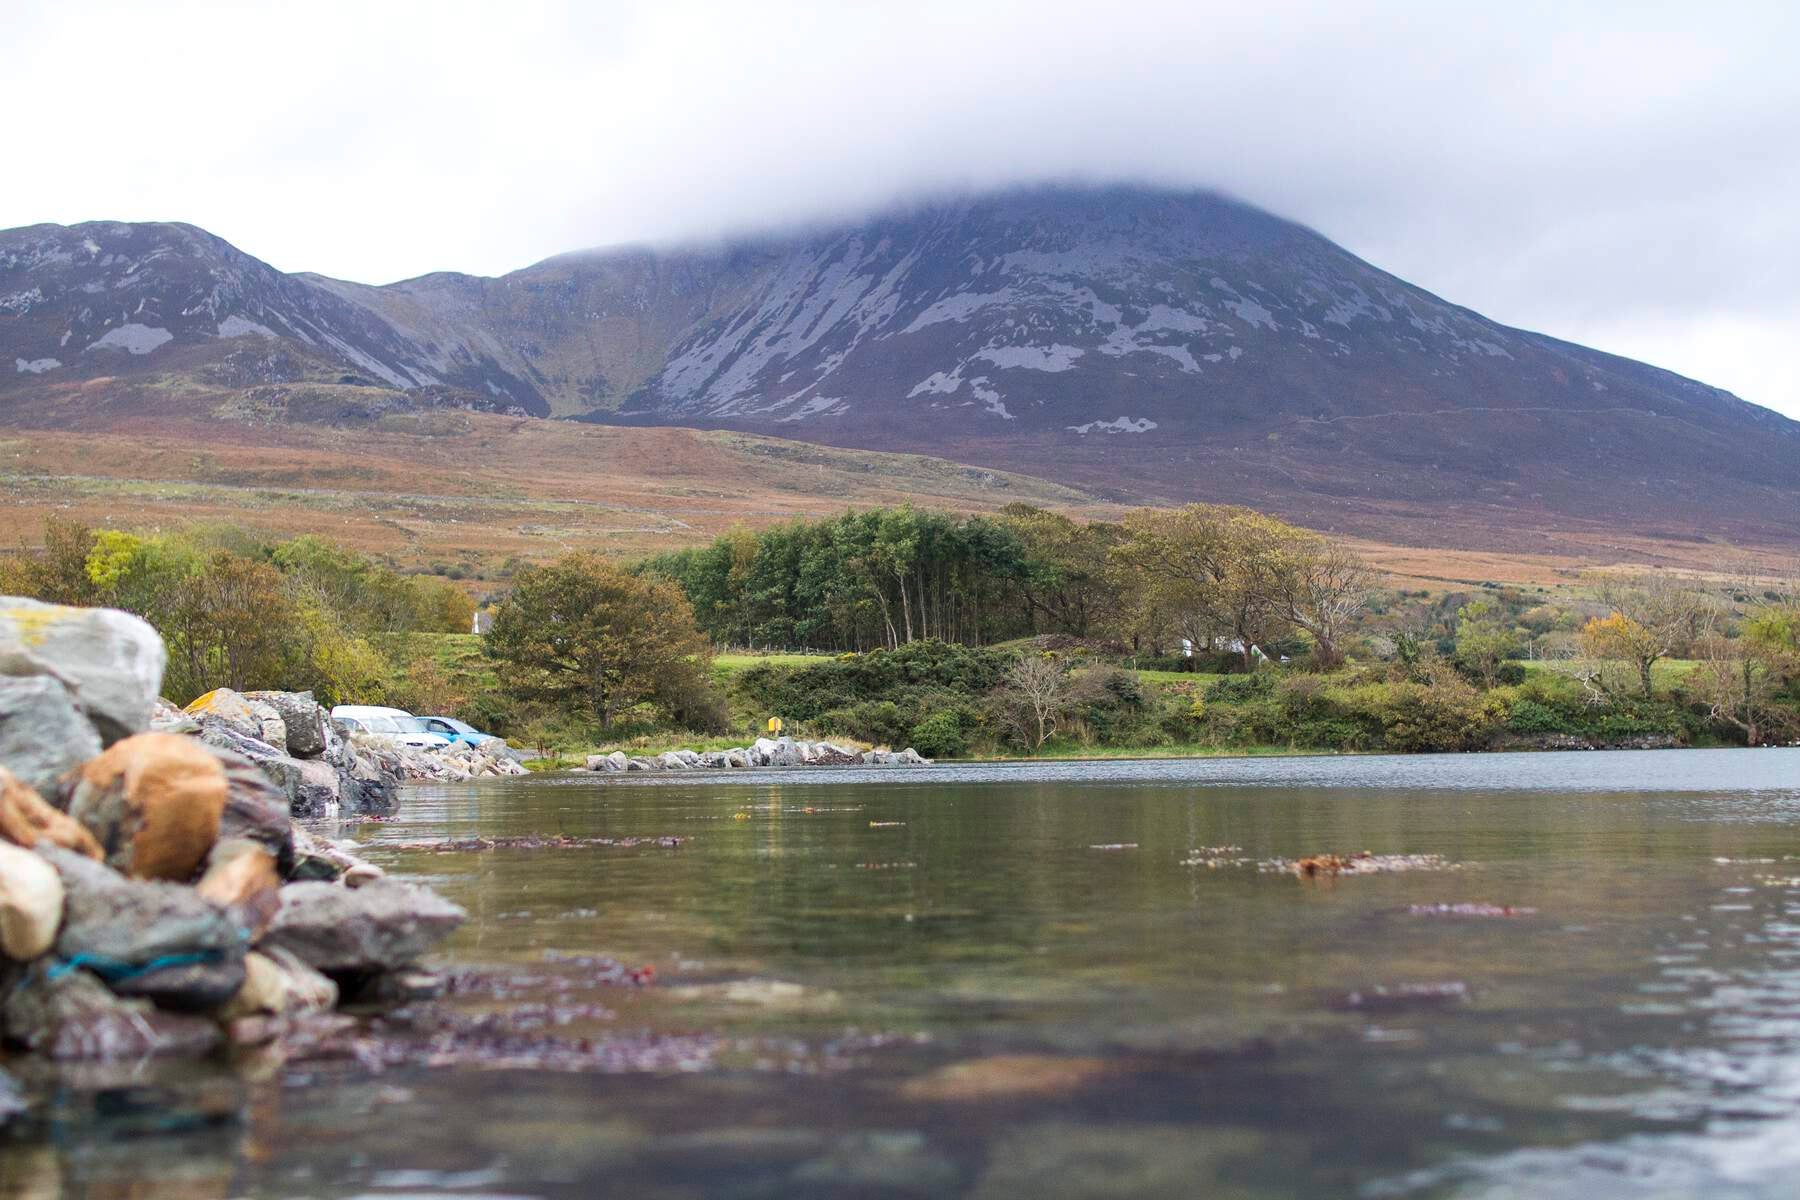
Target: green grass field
[
  {"x": 1076, "y": 752},
  {"x": 1667, "y": 673},
  {"x": 727, "y": 665}
]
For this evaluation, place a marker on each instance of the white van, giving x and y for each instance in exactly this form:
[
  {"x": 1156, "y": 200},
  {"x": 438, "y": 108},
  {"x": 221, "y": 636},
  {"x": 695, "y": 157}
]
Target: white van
[{"x": 395, "y": 723}]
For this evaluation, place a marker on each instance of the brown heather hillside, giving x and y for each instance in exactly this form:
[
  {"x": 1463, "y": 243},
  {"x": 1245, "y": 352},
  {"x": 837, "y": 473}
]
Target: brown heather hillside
[
  {"x": 470, "y": 488},
  {"x": 440, "y": 490}
]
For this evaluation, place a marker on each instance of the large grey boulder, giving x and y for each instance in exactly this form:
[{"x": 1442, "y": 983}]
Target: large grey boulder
[
  {"x": 227, "y": 734},
  {"x": 366, "y": 783},
  {"x": 42, "y": 732},
  {"x": 786, "y": 754},
  {"x": 302, "y": 717},
  {"x": 314, "y": 788},
  {"x": 110, "y": 661},
  {"x": 378, "y": 927},
  {"x": 251, "y": 718},
  {"x": 161, "y": 941}
]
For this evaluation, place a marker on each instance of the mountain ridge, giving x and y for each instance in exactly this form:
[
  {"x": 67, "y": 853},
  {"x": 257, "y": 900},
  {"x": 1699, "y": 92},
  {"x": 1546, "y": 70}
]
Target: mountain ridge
[{"x": 1135, "y": 341}]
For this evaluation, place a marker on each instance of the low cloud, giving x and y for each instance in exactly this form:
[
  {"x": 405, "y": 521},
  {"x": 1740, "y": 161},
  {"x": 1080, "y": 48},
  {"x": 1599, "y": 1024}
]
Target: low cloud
[{"x": 1624, "y": 174}]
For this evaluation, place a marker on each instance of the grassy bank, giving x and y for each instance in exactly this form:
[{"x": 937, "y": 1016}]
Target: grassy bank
[
  {"x": 1080, "y": 753},
  {"x": 951, "y": 703}
]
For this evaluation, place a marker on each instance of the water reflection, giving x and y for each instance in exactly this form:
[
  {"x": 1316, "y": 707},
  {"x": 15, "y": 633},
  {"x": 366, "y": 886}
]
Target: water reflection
[{"x": 1054, "y": 981}]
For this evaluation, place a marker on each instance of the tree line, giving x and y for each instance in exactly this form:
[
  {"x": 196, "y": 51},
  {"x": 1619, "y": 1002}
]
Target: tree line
[
  {"x": 241, "y": 612},
  {"x": 1212, "y": 577}
]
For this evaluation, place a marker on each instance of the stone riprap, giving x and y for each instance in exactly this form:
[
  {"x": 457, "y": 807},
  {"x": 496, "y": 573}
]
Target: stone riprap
[
  {"x": 764, "y": 752},
  {"x": 156, "y": 896},
  {"x": 292, "y": 738}
]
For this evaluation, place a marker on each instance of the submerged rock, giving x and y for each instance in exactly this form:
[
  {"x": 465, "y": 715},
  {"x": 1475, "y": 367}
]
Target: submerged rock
[
  {"x": 1006, "y": 1075},
  {"x": 1072, "y": 1160},
  {"x": 69, "y": 1014},
  {"x": 153, "y": 802},
  {"x": 378, "y": 927},
  {"x": 881, "y": 1162},
  {"x": 759, "y": 993},
  {"x": 1405, "y": 997},
  {"x": 317, "y": 860}
]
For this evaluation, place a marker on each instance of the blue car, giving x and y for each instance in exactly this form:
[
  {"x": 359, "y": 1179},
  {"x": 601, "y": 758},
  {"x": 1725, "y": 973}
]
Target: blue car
[{"x": 457, "y": 731}]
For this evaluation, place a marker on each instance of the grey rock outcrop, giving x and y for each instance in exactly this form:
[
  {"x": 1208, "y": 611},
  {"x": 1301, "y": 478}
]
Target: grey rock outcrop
[
  {"x": 42, "y": 733},
  {"x": 303, "y": 721},
  {"x": 141, "y": 916}
]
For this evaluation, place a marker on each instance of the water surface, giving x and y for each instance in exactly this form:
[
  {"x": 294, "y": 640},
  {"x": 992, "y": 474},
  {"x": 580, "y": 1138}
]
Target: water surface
[{"x": 1063, "y": 980}]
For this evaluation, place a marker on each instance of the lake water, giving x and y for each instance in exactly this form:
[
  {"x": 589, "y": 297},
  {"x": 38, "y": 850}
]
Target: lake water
[{"x": 1066, "y": 980}]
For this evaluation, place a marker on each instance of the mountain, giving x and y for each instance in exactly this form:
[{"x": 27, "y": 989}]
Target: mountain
[{"x": 1142, "y": 343}]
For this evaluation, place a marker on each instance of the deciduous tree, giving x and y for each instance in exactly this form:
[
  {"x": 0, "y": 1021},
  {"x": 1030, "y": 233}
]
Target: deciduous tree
[{"x": 583, "y": 635}]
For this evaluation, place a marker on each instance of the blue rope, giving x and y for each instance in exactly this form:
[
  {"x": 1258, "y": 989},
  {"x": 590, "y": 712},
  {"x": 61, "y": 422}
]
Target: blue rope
[{"x": 115, "y": 970}]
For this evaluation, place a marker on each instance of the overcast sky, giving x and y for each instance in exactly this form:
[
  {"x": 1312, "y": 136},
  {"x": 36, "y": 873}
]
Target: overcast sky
[{"x": 1625, "y": 175}]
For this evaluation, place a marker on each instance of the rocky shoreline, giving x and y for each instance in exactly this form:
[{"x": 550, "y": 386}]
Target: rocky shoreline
[
  {"x": 292, "y": 738},
  {"x": 764, "y": 752},
  {"x": 156, "y": 896}
]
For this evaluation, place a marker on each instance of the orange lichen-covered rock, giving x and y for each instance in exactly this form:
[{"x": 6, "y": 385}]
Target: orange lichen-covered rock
[
  {"x": 26, "y": 819},
  {"x": 153, "y": 803}
]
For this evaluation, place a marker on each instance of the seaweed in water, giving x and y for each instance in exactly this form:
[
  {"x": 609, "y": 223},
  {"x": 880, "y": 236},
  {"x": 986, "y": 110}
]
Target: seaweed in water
[
  {"x": 472, "y": 845},
  {"x": 1361, "y": 863}
]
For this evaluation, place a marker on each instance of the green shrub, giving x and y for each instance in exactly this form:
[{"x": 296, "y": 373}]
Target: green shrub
[
  {"x": 1238, "y": 688},
  {"x": 1439, "y": 716},
  {"x": 944, "y": 733},
  {"x": 1534, "y": 716},
  {"x": 1109, "y": 704}
]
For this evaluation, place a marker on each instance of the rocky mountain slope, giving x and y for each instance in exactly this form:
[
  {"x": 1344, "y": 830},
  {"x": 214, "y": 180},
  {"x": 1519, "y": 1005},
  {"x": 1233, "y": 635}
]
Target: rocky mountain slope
[{"x": 1148, "y": 344}]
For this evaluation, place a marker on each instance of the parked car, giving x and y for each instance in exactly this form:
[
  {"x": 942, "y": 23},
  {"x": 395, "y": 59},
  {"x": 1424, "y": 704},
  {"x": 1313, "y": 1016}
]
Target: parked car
[
  {"x": 457, "y": 731},
  {"x": 396, "y": 723}
]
